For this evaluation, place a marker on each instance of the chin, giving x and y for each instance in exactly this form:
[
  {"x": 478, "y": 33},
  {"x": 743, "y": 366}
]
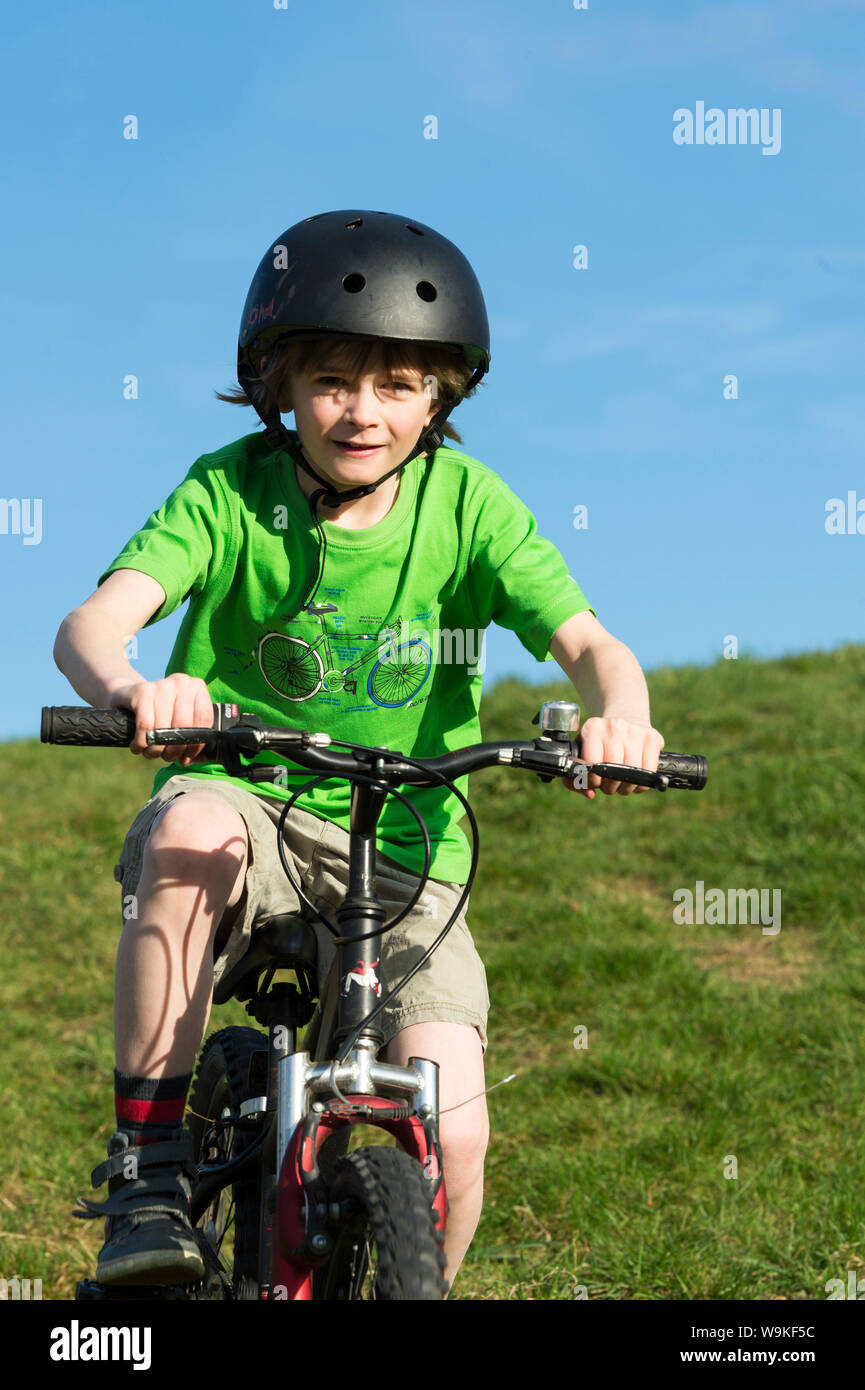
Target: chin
[{"x": 366, "y": 469}]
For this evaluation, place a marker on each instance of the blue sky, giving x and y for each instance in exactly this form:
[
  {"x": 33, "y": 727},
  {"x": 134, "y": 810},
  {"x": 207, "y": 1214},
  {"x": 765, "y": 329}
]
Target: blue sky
[{"x": 706, "y": 515}]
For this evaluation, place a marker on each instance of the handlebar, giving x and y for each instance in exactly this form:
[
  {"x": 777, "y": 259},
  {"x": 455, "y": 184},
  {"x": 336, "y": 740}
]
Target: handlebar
[
  {"x": 554, "y": 753},
  {"x": 232, "y": 735}
]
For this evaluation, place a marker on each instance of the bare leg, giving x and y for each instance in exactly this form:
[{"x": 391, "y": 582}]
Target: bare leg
[
  {"x": 193, "y": 868},
  {"x": 464, "y": 1133}
]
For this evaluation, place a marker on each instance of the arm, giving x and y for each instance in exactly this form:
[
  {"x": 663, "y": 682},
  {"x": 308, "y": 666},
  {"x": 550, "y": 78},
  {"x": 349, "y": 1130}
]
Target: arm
[
  {"x": 89, "y": 650},
  {"x": 89, "y": 647},
  {"x": 612, "y": 687}
]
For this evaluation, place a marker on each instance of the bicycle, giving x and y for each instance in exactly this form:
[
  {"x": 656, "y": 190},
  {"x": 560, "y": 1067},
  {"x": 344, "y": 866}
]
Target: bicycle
[
  {"x": 294, "y": 669},
  {"x": 281, "y": 1208}
]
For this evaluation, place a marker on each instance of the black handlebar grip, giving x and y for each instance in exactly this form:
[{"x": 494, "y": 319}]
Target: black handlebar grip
[
  {"x": 82, "y": 725},
  {"x": 687, "y": 771},
  {"x": 107, "y": 728}
]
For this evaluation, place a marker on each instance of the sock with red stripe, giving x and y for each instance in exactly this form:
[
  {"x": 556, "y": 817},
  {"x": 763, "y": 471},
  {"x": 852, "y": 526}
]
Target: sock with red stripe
[{"x": 150, "y": 1108}]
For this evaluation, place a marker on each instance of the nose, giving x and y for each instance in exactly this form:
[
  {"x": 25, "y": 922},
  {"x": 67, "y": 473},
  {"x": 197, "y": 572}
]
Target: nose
[{"x": 361, "y": 407}]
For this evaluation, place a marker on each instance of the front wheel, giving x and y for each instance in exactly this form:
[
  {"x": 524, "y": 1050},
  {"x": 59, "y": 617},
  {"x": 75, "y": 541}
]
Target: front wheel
[
  {"x": 395, "y": 679},
  {"x": 231, "y": 1221},
  {"x": 385, "y": 1245}
]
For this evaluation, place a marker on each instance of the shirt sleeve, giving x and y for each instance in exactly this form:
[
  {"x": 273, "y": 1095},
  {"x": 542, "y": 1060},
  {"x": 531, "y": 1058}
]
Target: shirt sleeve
[
  {"x": 182, "y": 542},
  {"x": 521, "y": 580}
]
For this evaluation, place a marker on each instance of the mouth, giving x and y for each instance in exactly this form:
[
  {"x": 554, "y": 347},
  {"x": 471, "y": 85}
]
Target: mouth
[{"x": 357, "y": 450}]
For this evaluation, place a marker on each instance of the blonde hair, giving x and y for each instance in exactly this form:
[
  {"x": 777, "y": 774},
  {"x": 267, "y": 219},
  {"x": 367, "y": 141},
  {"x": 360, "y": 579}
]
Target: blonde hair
[{"x": 295, "y": 355}]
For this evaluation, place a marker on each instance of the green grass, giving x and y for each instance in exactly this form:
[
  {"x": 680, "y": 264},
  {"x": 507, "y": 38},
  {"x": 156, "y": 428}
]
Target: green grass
[{"x": 606, "y": 1166}]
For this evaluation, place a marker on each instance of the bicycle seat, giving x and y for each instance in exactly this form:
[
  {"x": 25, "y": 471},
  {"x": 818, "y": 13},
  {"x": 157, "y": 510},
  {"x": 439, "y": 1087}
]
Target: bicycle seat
[{"x": 286, "y": 942}]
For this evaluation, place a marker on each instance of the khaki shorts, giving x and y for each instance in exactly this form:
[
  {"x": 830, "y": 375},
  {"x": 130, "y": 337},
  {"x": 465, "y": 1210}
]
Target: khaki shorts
[{"x": 450, "y": 987}]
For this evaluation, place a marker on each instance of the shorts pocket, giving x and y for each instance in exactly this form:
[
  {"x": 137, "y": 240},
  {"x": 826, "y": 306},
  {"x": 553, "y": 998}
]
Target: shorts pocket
[{"x": 133, "y": 846}]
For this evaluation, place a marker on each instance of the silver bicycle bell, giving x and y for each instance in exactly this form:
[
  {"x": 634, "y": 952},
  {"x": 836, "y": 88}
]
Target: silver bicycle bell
[{"x": 559, "y": 718}]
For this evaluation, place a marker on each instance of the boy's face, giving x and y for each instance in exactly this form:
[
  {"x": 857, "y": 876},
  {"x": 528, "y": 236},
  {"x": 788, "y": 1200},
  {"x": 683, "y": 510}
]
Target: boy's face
[{"x": 385, "y": 410}]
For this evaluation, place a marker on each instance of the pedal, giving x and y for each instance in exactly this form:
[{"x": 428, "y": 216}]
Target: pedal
[{"x": 89, "y": 1290}]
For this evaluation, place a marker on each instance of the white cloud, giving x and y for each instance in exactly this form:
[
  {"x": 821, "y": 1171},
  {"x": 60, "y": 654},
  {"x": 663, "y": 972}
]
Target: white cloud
[{"x": 815, "y": 349}]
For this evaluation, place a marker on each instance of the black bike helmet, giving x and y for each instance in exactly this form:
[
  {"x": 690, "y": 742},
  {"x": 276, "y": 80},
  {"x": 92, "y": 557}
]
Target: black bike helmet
[{"x": 369, "y": 275}]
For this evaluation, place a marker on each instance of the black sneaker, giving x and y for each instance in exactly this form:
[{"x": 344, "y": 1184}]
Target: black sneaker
[{"x": 148, "y": 1235}]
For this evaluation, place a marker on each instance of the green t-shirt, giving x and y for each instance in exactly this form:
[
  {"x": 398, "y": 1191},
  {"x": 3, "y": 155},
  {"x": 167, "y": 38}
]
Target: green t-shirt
[{"x": 399, "y": 663}]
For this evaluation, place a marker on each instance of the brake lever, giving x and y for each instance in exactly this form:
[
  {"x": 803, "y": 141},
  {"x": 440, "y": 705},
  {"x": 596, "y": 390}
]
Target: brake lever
[{"x": 638, "y": 776}]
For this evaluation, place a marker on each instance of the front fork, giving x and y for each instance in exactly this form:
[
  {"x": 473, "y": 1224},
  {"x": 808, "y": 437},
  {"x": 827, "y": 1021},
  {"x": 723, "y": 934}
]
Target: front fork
[
  {"x": 308, "y": 1113},
  {"x": 314, "y": 1099}
]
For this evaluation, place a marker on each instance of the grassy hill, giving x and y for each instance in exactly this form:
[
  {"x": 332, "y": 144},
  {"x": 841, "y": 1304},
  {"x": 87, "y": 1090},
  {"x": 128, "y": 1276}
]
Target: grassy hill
[{"x": 709, "y": 1047}]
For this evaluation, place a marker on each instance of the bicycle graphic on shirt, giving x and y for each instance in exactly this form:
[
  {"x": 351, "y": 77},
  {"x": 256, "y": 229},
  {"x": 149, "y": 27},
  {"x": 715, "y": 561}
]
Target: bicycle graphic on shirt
[{"x": 297, "y": 669}]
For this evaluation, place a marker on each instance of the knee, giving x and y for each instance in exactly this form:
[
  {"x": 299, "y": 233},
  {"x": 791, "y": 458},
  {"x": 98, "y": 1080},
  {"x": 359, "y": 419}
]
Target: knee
[
  {"x": 464, "y": 1135},
  {"x": 199, "y": 839}
]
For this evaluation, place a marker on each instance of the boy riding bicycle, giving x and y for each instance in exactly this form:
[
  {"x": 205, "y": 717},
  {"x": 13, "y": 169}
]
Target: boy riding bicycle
[{"x": 371, "y": 328}]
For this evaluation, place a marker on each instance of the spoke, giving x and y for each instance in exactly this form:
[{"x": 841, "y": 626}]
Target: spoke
[
  {"x": 217, "y": 1223},
  {"x": 229, "y": 1217},
  {"x": 370, "y": 1265},
  {"x": 395, "y": 682},
  {"x": 289, "y": 666}
]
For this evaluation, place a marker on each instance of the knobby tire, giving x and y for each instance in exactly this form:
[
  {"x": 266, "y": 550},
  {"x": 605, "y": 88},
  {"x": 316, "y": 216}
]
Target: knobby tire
[{"x": 386, "y": 1203}]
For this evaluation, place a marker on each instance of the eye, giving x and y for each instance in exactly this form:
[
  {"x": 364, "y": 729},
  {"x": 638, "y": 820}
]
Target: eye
[{"x": 339, "y": 381}]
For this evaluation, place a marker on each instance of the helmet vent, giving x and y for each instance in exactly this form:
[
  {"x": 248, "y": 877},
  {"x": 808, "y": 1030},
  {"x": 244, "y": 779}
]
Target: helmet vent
[
  {"x": 353, "y": 226},
  {"x": 353, "y": 283},
  {"x": 409, "y": 228},
  {"x": 426, "y": 291}
]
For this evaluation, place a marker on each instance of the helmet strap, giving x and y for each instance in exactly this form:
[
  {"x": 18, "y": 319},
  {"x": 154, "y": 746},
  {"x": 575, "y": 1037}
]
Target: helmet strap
[{"x": 278, "y": 437}]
